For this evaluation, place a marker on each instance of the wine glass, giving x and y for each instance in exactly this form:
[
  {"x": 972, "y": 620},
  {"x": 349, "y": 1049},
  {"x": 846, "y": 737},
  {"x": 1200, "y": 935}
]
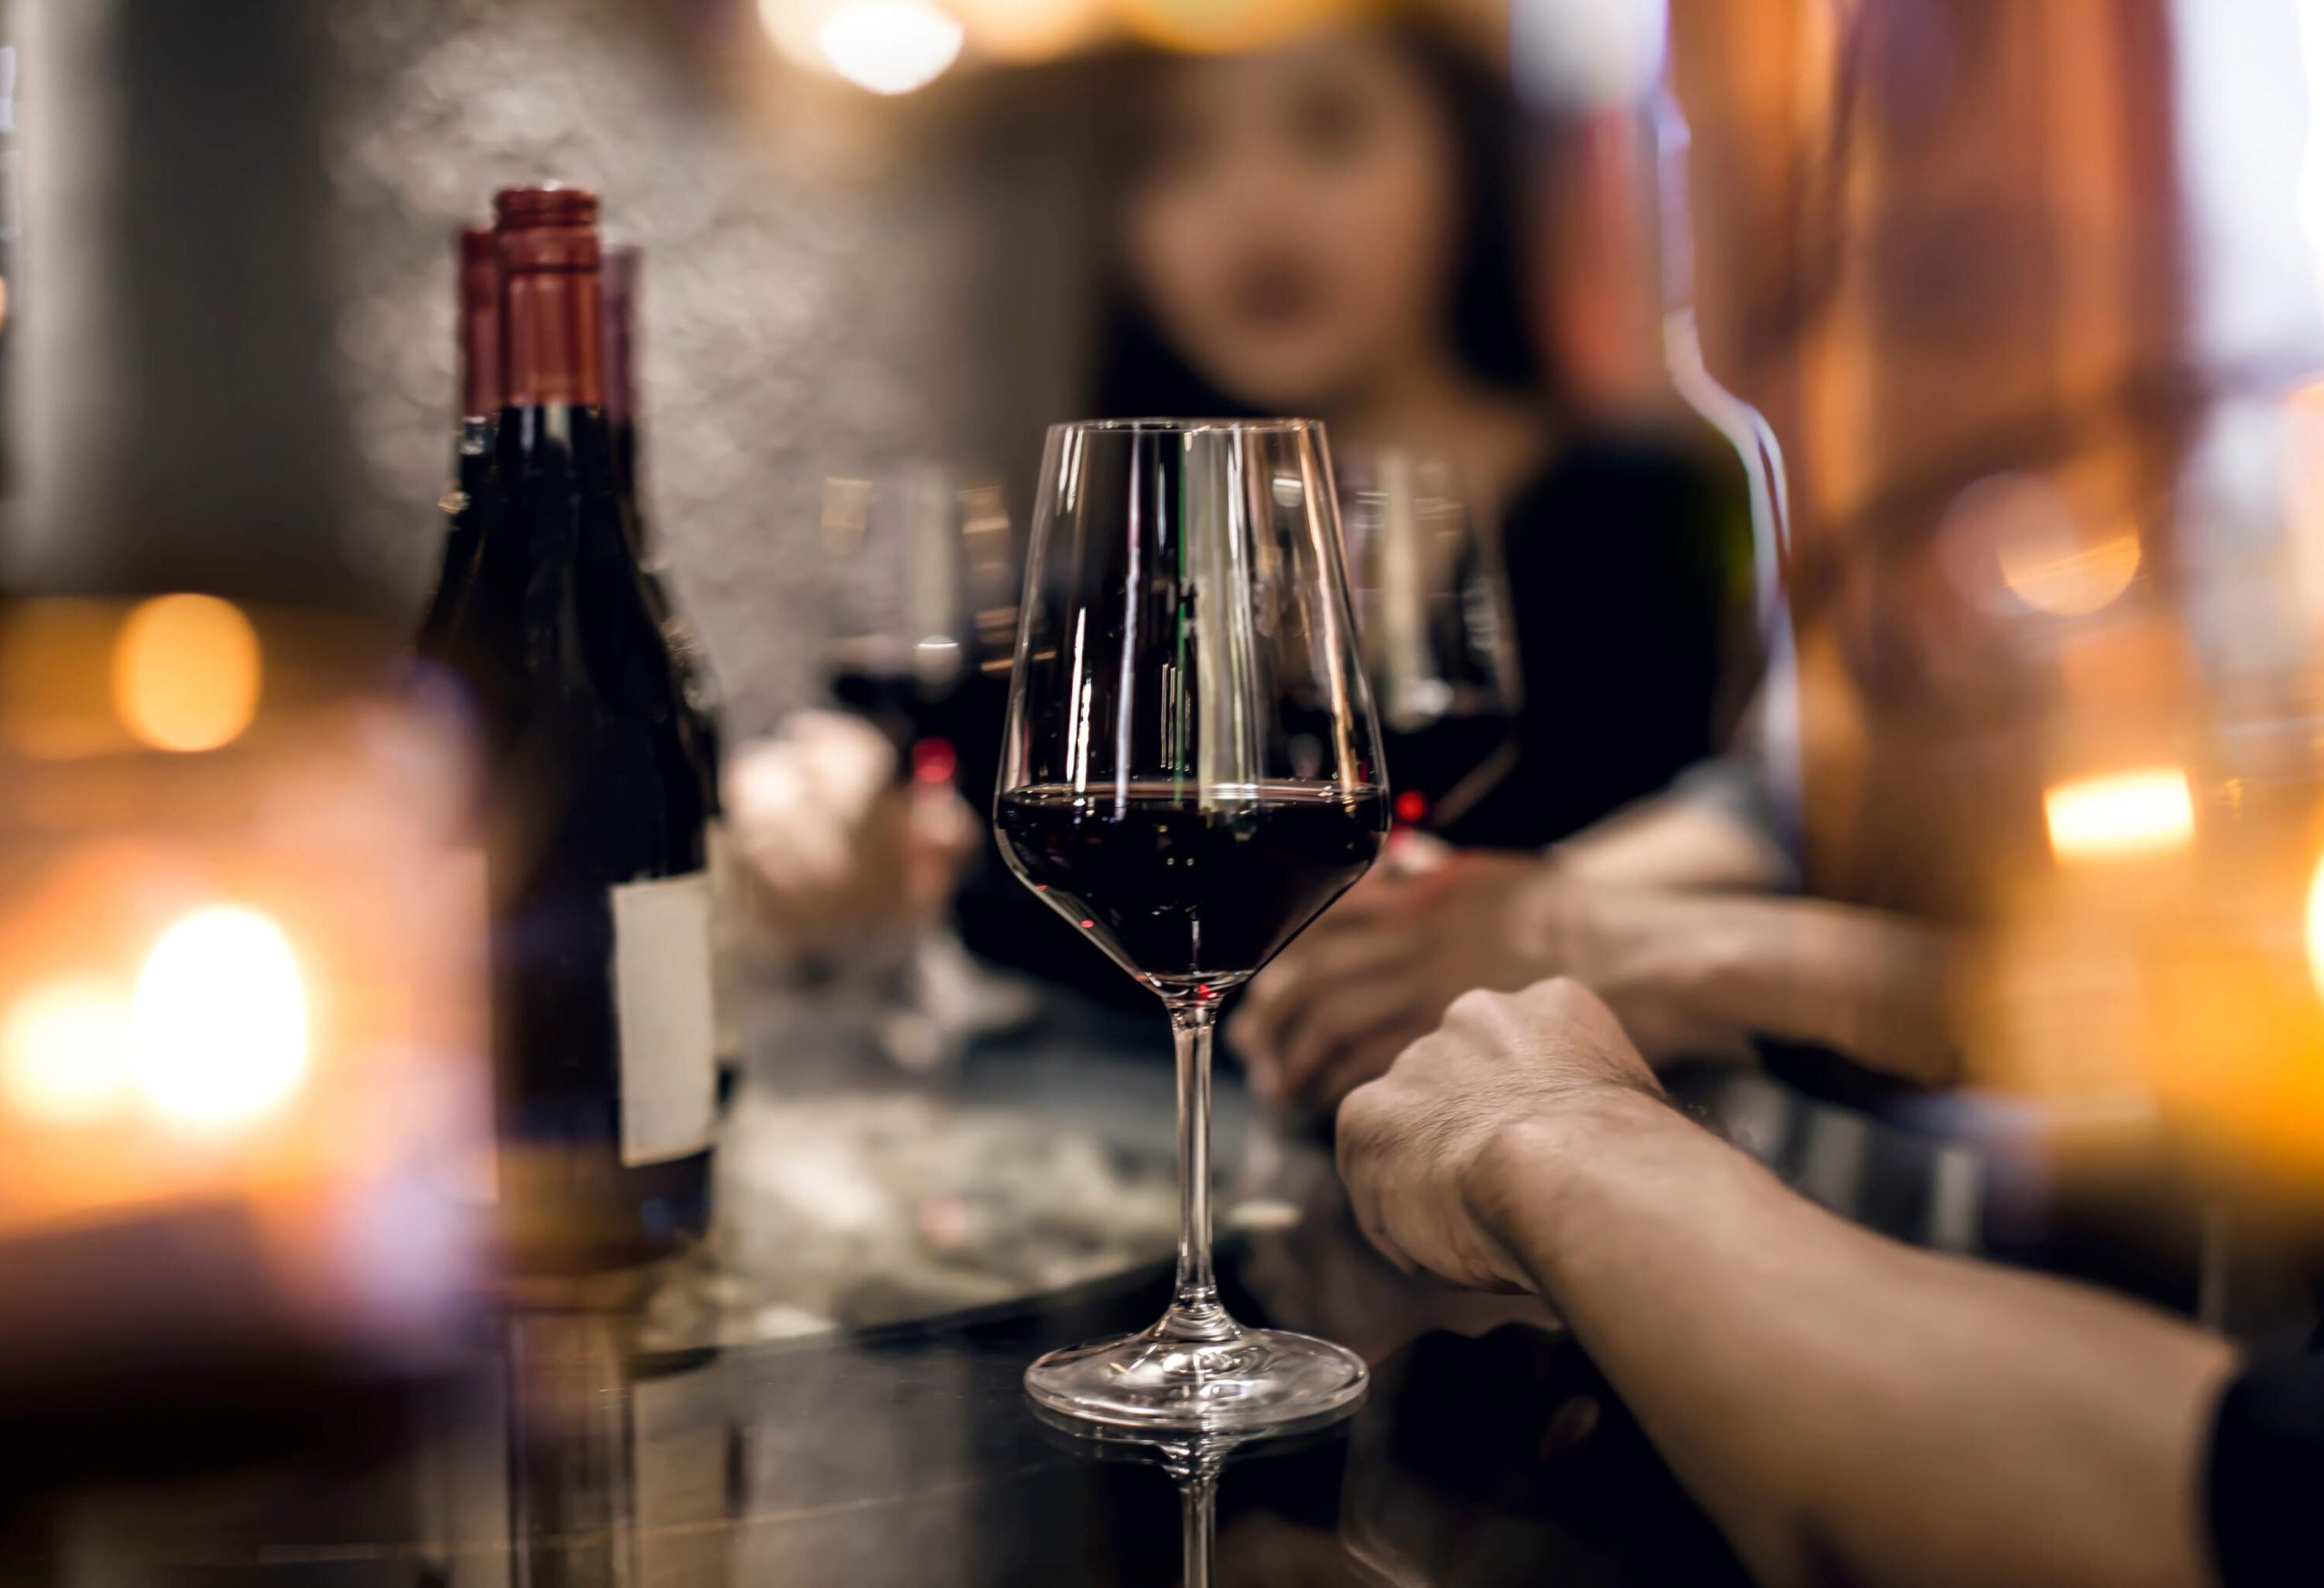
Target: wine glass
[
  {"x": 1191, "y": 774},
  {"x": 1438, "y": 641},
  {"x": 922, "y": 568},
  {"x": 922, "y": 611}
]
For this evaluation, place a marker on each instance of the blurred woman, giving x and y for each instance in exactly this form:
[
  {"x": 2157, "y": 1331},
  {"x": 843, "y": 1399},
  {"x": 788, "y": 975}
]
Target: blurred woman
[{"x": 1329, "y": 229}]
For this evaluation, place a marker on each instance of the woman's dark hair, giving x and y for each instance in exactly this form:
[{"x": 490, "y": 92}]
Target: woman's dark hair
[{"x": 1139, "y": 373}]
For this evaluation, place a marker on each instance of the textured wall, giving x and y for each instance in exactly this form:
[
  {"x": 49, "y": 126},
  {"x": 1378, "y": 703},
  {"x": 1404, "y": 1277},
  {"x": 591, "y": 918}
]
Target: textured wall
[{"x": 802, "y": 314}]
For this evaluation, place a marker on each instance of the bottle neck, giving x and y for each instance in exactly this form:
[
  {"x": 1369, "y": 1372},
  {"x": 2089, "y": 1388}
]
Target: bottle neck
[
  {"x": 552, "y": 341},
  {"x": 1672, "y": 144},
  {"x": 621, "y": 438},
  {"x": 479, "y": 346},
  {"x": 620, "y": 334},
  {"x": 472, "y": 458},
  {"x": 562, "y": 445},
  {"x": 618, "y": 277}
]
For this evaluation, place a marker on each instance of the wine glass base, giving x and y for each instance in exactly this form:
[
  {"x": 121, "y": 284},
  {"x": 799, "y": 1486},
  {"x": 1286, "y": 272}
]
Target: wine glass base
[{"x": 1249, "y": 1379}]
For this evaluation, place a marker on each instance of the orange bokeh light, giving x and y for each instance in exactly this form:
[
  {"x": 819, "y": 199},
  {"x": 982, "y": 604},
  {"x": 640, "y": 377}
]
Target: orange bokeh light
[
  {"x": 2120, "y": 813},
  {"x": 2071, "y": 580},
  {"x": 186, "y": 673}
]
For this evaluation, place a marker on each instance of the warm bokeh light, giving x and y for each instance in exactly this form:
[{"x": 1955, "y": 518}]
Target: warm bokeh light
[
  {"x": 1223, "y": 26},
  {"x": 1582, "y": 56},
  {"x": 1031, "y": 30},
  {"x": 219, "y": 1023},
  {"x": 64, "y": 1052},
  {"x": 2120, "y": 813},
  {"x": 889, "y": 46},
  {"x": 186, "y": 673},
  {"x": 2316, "y": 927},
  {"x": 2300, "y": 481},
  {"x": 2048, "y": 554},
  {"x": 54, "y": 704},
  {"x": 2070, "y": 581},
  {"x": 791, "y": 26}
]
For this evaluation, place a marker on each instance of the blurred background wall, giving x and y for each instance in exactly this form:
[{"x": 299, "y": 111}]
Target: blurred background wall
[{"x": 826, "y": 273}]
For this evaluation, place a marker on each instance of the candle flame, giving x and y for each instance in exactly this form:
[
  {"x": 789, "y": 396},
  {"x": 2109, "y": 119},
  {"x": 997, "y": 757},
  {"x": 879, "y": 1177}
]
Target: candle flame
[
  {"x": 2121, "y": 813},
  {"x": 219, "y": 1021}
]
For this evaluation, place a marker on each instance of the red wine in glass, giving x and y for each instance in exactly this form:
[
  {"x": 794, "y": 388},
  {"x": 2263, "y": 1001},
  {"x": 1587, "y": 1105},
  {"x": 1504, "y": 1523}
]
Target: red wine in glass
[{"x": 1192, "y": 893}]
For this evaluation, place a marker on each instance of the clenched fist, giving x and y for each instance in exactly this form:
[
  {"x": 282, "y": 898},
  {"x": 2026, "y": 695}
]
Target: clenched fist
[{"x": 1418, "y": 1146}]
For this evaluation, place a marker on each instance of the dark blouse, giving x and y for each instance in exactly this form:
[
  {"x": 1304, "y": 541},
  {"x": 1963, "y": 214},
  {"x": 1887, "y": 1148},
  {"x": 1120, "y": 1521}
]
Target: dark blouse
[
  {"x": 1624, "y": 580},
  {"x": 2265, "y": 1487}
]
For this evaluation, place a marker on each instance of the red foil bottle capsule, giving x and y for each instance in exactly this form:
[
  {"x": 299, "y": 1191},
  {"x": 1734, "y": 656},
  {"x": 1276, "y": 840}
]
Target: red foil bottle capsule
[{"x": 552, "y": 299}]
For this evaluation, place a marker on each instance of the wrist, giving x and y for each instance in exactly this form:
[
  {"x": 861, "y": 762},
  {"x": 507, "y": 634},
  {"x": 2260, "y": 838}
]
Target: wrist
[
  {"x": 1540, "y": 921},
  {"x": 1613, "y": 939},
  {"x": 1531, "y": 1172}
]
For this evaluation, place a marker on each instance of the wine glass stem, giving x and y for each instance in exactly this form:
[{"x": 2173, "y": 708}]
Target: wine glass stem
[
  {"x": 1199, "y": 1527},
  {"x": 1195, "y": 1313}
]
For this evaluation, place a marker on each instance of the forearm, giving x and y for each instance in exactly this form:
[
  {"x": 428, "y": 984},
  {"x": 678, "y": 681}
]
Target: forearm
[
  {"x": 1672, "y": 841},
  {"x": 1860, "y": 981},
  {"x": 1846, "y": 1407}
]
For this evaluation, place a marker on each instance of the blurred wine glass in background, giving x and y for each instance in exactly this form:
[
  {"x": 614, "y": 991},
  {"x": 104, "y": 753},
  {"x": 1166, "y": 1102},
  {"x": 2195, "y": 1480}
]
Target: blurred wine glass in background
[
  {"x": 857, "y": 835},
  {"x": 1433, "y": 605},
  {"x": 921, "y": 577}
]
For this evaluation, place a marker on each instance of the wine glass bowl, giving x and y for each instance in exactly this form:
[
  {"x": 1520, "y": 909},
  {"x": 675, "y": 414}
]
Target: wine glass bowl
[
  {"x": 1191, "y": 774},
  {"x": 916, "y": 603}
]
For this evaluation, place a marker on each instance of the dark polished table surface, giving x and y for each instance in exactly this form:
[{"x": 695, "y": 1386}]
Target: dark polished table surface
[
  {"x": 904, "y": 1457},
  {"x": 580, "y": 1446}
]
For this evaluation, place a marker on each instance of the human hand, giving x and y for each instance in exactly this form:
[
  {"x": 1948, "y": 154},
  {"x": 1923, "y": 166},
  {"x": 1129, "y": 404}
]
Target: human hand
[
  {"x": 836, "y": 859},
  {"x": 1315, "y": 1272},
  {"x": 1415, "y": 1145},
  {"x": 1377, "y": 973}
]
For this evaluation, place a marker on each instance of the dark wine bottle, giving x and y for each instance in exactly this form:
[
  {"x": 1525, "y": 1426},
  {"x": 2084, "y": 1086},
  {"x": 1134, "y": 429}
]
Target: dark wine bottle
[
  {"x": 696, "y": 686},
  {"x": 601, "y": 973},
  {"x": 468, "y": 500}
]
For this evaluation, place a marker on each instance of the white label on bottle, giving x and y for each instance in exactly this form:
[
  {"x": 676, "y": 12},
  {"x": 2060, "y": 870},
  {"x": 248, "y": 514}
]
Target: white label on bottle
[
  {"x": 727, "y": 1037},
  {"x": 669, "y": 1082}
]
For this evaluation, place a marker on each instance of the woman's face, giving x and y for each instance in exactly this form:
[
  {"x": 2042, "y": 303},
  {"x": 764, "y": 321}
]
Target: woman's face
[{"x": 1291, "y": 224}]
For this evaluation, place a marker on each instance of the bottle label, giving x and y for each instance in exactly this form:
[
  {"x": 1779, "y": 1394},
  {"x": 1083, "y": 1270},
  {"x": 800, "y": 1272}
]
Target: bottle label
[
  {"x": 669, "y": 1080},
  {"x": 726, "y": 1036}
]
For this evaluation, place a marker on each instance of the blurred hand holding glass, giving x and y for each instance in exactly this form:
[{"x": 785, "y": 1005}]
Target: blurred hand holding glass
[
  {"x": 852, "y": 836},
  {"x": 1191, "y": 774}
]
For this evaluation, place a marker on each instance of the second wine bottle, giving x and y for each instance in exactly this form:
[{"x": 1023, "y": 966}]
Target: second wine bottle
[{"x": 595, "y": 817}]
